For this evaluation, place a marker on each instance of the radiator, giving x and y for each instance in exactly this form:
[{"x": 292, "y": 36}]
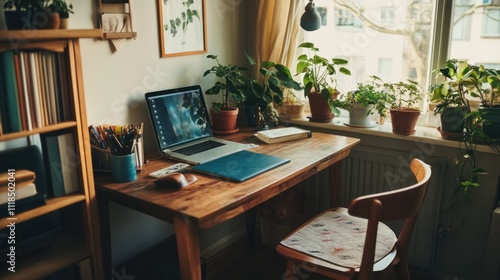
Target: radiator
[{"x": 370, "y": 170}]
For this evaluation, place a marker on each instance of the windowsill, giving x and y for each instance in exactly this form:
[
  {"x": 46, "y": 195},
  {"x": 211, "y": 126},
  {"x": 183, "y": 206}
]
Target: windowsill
[{"x": 422, "y": 133}]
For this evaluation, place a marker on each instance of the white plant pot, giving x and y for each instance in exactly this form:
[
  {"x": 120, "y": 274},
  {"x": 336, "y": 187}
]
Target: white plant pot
[{"x": 360, "y": 115}]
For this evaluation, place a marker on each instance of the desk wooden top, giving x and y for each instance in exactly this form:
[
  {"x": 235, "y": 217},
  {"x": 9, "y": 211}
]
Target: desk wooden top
[{"x": 210, "y": 200}]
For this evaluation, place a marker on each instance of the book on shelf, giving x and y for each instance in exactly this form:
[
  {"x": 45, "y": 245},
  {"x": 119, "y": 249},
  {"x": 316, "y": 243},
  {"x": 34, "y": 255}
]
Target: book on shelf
[
  {"x": 62, "y": 161},
  {"x": 282, "y": 134},
  {"x": 33, "y": 90},
  {"x": 70, "y": 161},
  {"x": 10, "y": 92},
  {"x": 17, "y": 191},
  {"x": 20, "y": 175}
]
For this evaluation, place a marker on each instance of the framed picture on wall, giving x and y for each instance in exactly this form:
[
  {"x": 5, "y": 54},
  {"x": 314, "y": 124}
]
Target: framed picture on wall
[{"x": 182, "y": 27}]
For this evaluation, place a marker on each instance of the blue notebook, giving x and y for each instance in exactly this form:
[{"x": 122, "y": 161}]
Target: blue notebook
[{"x": 240, "y": 166}]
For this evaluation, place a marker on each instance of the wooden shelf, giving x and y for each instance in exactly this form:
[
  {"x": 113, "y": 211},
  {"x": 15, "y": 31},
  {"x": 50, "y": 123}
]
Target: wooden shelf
[
  {"x": 53, "y": 204},
  {"x": 49, "y": 34},
  {"x": 73, "y": 213},
  {"x": 45, "y": 129},
  {"x": 65, "y": 250},
  {"x": 119, "y": 35}
]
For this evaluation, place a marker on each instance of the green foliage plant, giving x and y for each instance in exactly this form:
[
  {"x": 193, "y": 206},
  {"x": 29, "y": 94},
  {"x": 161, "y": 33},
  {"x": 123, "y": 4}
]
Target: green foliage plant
[
  {"x": 403, "y": 94},
  {"x": 61, "y": 7},
  {"x": 369, "y": 93},
  {"x": 458, "y": 82},
  {"x": 320, "y": 73},
  {"x": 22, "y": 5},
  {"x": 275, "y": 79},
  {"x": 231, "y": 85}
]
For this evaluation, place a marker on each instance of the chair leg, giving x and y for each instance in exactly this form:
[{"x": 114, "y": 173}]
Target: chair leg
[{"x": 402, "y": 270}]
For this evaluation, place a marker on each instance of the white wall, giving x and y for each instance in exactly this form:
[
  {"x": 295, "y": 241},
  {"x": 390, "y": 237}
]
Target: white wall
[{"x": 115, "y": 84}]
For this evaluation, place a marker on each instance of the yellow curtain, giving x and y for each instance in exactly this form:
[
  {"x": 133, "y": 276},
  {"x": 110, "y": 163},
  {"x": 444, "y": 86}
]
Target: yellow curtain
[{"x": 277, "y": 30}]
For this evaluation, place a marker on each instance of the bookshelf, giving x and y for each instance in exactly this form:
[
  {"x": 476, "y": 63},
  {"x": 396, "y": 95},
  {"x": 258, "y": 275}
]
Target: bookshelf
[{"x": 60, "y": 108}]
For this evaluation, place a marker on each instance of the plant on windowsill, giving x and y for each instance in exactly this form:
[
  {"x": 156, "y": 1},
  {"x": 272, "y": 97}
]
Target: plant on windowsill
[
  {"x": 319, "y": 81},
  {"x": 18, "y": 13},
  {"x": 61, "y": 7},
  {"x": 231, "y": 86},
  {"x": 274, "y": 80},
  {"x": 461, "y": 82},
  {"x": 403, "y": 98},
  {"x": 363, "y": 102},
  {"x": 292, "y": 107}
]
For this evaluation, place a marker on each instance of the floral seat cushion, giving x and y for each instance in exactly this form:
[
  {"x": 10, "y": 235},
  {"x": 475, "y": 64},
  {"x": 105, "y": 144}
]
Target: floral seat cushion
[{"x": 339, "y": 238}]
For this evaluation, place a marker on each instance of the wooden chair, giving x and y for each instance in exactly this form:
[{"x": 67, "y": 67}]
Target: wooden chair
[{"x": 400, "y": 204}]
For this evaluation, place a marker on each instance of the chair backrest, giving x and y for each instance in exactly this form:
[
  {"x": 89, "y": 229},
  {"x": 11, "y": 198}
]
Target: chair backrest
[{"x": 401, "y": 204}]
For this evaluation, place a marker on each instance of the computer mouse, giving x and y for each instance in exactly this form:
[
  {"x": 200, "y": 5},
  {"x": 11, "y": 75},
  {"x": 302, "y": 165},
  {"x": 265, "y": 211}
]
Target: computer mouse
[{"x": 175, "y": 180}]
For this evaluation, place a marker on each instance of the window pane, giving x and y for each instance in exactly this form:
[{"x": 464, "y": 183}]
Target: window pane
[
  {"x": 491, "y": 23},
  {"x": 484, "y": 44},
  {"x": 389, "y": 39}
]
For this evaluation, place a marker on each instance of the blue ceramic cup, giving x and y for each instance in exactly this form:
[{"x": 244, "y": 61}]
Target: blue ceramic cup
[{"x": 123, "y": 168}]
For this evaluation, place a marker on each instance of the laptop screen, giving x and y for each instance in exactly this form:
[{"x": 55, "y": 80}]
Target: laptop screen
[{"x": 178, "y": 115}]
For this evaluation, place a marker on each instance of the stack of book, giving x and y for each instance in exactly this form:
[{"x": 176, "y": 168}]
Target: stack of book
[{"x": 18, "y": 192}]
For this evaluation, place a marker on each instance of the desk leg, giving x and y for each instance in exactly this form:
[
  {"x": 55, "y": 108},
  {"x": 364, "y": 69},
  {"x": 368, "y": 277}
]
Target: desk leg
[
  {"x": 188, "y": 247},
  {"x": 105, "y": 237}
]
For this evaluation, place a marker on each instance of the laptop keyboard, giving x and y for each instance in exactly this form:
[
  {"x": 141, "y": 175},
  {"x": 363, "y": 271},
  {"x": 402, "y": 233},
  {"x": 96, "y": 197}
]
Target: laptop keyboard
[{"x": 200, "y": 147}]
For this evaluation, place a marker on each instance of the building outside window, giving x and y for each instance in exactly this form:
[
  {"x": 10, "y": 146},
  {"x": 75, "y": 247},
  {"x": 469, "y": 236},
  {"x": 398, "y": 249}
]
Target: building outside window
[{"x": 393, "y": 39}]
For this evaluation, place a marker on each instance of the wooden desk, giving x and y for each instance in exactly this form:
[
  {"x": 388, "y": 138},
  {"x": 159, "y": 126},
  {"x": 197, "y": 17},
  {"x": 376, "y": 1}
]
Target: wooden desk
[{"x": 211, "y": 201}]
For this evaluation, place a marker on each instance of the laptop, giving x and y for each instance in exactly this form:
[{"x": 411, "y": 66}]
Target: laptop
[{"x": 182, "y": 126}]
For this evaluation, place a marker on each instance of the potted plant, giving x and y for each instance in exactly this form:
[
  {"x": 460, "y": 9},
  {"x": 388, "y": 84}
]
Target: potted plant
[
  {"x": 319, "y": 82},
  {"x": 490, "y": 106},
  {"x": 451, "y": 97},
  {"x": 18, "y": 13},
  {"x": 292, "y": 107},
  {"x": 63, "y": 9},
  {"x": 461, "y": 83},
  {"x": 275, "y": 78},
  {"x": 363, "y": 102},
  {"x": 403, "y": 98},
  {"x": 230, "y": 87}
]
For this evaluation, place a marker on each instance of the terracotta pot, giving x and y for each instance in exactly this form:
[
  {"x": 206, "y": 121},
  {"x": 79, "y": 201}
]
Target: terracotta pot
[
  {"x": 224, "y": 121},
  {"x": 404, "y": 120},
  {"x": 44, "y": 20},
  {"x": 291, "y": 110},
  {"x": 63, "y": 23},
  {"x": 320, "y": 111}
]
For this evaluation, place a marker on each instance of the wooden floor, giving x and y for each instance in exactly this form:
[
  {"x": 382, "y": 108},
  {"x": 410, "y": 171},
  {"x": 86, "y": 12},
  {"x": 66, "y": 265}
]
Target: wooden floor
[{"x": 238, "y": 262}]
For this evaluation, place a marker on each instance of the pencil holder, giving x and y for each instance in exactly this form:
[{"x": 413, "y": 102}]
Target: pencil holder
[
  {"x": 101, "y": 161},
  {"x": 123, "y": 168}
]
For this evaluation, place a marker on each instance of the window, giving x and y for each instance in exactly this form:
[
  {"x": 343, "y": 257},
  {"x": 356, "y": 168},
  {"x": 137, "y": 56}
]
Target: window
[
  {"x": 387, "y": 16},
  {"x": 393, "y": 39},
  {"x": 491, "y": 23},
  {"x": 385, "y": 68},
  {"x": 346, "y": 18},
  {"x": 462, "y": 21}
]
